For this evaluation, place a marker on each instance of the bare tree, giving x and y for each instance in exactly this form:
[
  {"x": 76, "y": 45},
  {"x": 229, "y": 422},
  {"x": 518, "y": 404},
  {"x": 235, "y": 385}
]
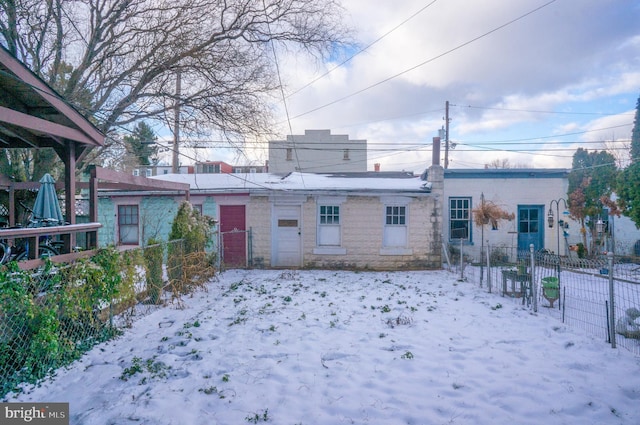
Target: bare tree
[
  {"x": 504, "y": 163},
  {"x": 117, "y": 61}
]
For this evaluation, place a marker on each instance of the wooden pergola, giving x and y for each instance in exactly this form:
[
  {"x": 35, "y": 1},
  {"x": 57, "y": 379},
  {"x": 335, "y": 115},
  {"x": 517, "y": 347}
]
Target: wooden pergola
[{"x": 33, "y": 115}]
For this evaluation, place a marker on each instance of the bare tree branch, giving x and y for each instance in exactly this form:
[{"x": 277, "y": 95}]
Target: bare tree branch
[{"x": 117, "y": 60}]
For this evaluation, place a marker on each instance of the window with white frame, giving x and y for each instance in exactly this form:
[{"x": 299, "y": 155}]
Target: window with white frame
[
  {"x": 329, "y": 225},
  {"x": 128, "y": 230},
  {"x": 395, "y": 226},
  {"x": 459, "y": 218},
  {"x": 148, "y": 172}
]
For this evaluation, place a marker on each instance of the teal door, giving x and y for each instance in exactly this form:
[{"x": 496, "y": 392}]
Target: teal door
[{"x": 530, "y": 227}]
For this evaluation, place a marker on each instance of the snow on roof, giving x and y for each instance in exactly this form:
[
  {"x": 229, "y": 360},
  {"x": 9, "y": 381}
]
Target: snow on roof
[{"x": 393, "y": 182}]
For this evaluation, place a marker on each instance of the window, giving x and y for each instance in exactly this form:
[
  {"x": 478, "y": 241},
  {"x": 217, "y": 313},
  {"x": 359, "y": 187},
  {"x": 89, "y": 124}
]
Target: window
[
  {"x": 197, "y": 207},
  {"x": 289, "y": 154},
  {"x": 395, "y": 226},
  {"x": 210, "y": 168},
  {"x": 136, "y": 172},
  {"x": 128, "y": 224},
  {"x": 396, "y": 216},
  {"x": 528, "y": 220},
  {"x": 345, "y": 155},
  {"x": 329, "y": 225},
  {"x": 148, "y": 171},
  {"x": 459, "y": 218},
  {"x": 329, "y": 214}
]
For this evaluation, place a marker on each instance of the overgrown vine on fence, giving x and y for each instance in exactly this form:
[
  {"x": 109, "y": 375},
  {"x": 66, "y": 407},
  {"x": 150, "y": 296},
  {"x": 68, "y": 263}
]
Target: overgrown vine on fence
[
  {"x": 51, "y": 316},
  {"x": 153, "y": 265}
]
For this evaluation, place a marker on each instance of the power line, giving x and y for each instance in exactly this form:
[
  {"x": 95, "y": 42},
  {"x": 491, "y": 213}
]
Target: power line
[
  {"x": 539, "y": 111},
  {"x": 427, "y": 61},
  {"x": 554, "y": 136},
  {"x": 363, "y": 49}
]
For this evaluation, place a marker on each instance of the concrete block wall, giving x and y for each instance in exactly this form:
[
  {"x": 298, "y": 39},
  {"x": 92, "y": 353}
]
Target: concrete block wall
[
  {"x": 362, "y": 222},
  {"x": 155, "y": 216},
  {"x": 362, "y": 236},
  {"x": 107, "y": 216},
  {"x": 259, "y": 220}
]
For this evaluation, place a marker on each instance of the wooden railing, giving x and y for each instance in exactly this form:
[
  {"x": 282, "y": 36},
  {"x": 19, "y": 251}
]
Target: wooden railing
[{"x": 68, "y": 234}]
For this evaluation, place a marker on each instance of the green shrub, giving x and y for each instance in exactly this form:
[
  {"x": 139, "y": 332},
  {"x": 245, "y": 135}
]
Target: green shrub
[
  {"x": 193, "y": 228},
  {"x": 190, "y": 234}
]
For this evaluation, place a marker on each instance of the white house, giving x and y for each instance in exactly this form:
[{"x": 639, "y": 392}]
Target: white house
[
  {"x": 526, "y": 193},
  {"x": 317, "y": 151}
]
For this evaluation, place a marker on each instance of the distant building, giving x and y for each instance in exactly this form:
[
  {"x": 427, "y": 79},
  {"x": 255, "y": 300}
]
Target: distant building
[
  {"x": 213, "y": 167},
  {"x": 317, "y": 151},
  {"x": 250, "y": 169},
  {"x": 159, "y": 170}
]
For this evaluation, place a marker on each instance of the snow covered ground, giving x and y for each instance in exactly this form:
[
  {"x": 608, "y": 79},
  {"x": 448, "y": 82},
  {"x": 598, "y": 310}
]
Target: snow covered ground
[{"x": 338, "y": 347}]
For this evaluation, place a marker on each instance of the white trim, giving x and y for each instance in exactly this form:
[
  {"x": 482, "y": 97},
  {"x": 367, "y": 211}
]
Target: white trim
[{"x": 325, "y": 250}]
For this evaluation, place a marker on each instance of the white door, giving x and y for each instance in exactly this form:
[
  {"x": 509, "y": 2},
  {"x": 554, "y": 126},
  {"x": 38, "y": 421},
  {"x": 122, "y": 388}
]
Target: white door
[{"x": 287, "y": 250}]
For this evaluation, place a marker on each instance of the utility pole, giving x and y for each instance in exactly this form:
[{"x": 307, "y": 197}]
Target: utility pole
[
  {"x": 446, "y": 135},
  {"x": 175, "y": 163}
]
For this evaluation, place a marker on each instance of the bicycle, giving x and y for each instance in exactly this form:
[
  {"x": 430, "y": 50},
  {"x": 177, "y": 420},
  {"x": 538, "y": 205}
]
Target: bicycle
[{"x": 19, "y": 249}]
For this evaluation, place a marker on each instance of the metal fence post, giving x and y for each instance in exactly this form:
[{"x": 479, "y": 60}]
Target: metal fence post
[
  {"x": 532, "y": 276},
  {"x": 461, "y": 261},
  {"x": 612, "y": 311},
  {"x": 488, "y": 267}
]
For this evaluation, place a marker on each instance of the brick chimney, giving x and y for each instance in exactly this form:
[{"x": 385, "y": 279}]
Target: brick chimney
[{"x": 435, "y": 153}]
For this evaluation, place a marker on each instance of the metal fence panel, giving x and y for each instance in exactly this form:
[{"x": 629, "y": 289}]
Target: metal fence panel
[
  {"x": 584, "y": 298},
  {"x": 51, "y": 316}
]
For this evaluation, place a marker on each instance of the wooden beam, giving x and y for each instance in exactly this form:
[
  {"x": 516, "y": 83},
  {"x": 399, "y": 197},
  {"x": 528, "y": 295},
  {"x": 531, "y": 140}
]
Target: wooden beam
[
  {"x": 43, "y": 126},
  {"x": 92, "y": 135},
  {"x": 139, "y": 182},
  {"x": 29, "y": 139},
  {"x": 57, "y": 259}
]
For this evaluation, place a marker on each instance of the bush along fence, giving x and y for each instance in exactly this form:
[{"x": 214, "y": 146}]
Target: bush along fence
[
  {"x": 599, "y": 295},
  {"x": 50, "y": 316}
]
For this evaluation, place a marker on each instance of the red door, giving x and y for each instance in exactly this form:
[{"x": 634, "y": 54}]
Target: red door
[{"x": 233, "y": 235}]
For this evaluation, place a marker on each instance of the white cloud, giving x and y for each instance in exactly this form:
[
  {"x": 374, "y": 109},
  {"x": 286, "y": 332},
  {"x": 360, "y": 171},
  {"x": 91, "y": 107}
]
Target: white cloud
[{"x": 575, "y": 56}]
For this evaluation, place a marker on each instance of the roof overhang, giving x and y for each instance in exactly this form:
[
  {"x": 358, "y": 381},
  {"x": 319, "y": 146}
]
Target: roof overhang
[{"x": 33, "y": 115}]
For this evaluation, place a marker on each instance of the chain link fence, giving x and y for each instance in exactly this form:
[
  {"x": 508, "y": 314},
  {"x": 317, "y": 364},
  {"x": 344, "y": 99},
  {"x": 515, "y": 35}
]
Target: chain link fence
[
  {"x": 50, "y": 316},
  {"x": 599, "y": 295}
]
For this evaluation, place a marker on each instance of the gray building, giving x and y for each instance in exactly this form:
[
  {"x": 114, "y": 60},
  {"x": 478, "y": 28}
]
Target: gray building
[{"x": 317, "y": 151}]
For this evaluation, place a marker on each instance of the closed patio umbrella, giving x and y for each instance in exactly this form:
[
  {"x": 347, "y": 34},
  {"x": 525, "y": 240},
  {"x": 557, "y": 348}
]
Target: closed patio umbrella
[{"x": 46, "y": 206}]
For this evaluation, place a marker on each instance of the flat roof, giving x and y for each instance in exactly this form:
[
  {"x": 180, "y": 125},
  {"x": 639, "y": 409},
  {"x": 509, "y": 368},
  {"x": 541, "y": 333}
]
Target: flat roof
[{"x": 506, "y": 173}]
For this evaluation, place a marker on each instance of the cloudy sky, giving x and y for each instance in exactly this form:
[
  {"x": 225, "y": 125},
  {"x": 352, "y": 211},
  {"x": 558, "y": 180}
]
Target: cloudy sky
[{"x": 528, "y": 81}]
